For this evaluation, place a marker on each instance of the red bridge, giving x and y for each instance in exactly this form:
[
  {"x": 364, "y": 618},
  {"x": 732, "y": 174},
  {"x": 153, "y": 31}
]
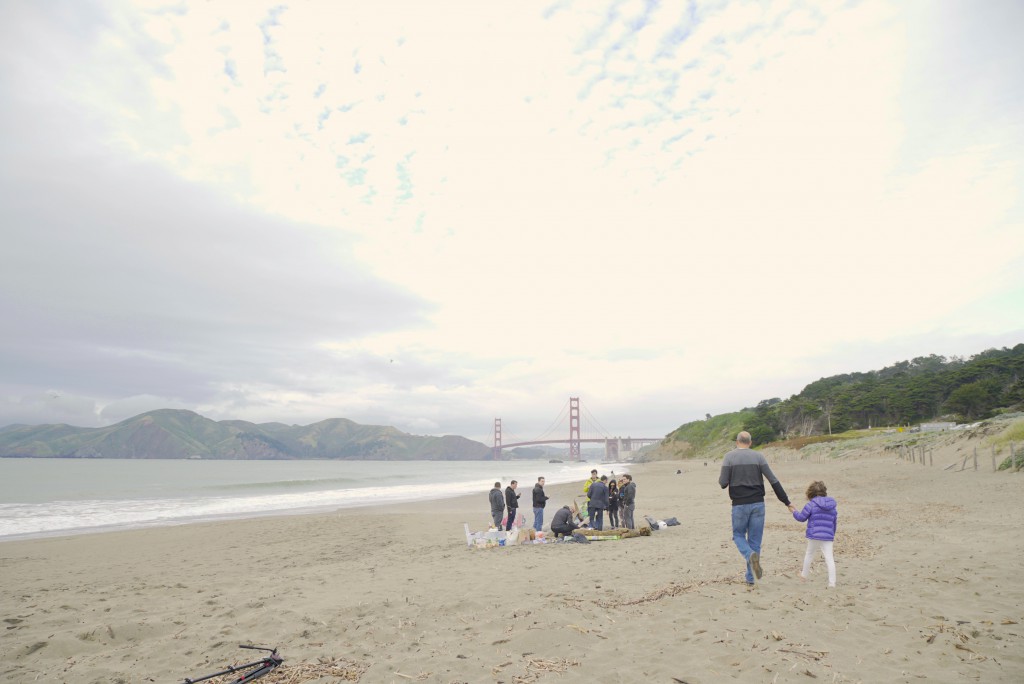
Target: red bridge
[{"x": 612, "y": 445}]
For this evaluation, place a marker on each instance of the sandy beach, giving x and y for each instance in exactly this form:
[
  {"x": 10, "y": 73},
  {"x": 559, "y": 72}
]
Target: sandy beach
[{"x": 929, "y": 587}]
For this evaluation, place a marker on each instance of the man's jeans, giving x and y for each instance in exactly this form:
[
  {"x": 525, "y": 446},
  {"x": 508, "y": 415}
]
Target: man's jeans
[
  {"x": 627, "y": 516},
  {"x": 497, "y": 516},
  {"x": 598, "y": 518},
  {"x": 538, "y": 519},
  {"x": 747, "y": 530}
]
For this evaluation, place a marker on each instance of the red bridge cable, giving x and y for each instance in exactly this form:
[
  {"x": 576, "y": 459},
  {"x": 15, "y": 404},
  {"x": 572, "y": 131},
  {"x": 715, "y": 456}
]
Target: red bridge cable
[
  {"x": 557, "y": 423},
  {"x": 600, "y": 428}
]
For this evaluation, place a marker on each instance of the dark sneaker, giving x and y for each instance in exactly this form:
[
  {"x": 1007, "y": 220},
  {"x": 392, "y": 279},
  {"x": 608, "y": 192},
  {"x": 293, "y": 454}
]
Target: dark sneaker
[{"x": 755, "y": 564}]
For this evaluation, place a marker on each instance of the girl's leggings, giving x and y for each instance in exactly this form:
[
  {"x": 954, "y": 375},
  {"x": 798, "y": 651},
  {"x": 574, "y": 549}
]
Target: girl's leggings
[{"x": 814, "y": 545}]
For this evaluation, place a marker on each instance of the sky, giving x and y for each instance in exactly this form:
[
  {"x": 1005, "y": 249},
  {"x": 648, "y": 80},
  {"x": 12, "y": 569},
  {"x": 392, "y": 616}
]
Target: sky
[{"x": 432, "y": 215}]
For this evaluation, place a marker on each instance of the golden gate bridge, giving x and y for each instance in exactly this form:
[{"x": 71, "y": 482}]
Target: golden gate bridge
[{"x": 612, "y": 445}]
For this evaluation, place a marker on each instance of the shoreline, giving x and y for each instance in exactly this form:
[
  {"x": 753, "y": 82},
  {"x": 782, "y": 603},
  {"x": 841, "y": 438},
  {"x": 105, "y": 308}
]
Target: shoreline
[
  {"x": 361, "y": 499},
  {"x": 392, "y": 591}
]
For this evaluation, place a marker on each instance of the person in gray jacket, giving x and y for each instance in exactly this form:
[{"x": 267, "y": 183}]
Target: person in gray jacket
[
  {"x": 497, "y": 504},
  {"x": 743, "y": 472}
]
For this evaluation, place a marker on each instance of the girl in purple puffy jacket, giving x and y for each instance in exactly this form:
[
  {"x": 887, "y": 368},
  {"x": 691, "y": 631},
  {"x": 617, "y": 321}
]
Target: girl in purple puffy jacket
[{"x": 820, "y": 514}]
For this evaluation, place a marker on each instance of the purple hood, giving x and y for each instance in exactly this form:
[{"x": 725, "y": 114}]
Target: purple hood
[{"x": 821, "y": 514}]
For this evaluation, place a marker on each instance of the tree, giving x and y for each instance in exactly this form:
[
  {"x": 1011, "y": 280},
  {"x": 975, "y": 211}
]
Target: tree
[{"x": 972, "y": 400}]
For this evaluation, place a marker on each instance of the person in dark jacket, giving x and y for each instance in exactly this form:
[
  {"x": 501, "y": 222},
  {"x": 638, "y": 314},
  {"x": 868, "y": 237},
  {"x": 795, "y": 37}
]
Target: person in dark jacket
[
  {"x": 512, "y": 503},
  {"x": 539, "y": 499},
  {"x": 497, "y": 504},
  {"x": 563, "y": 522},
  {"x": 598, "y": 495},
  {"x": 743, "y": 470},
  {"x": 627, "y": 494},
  {"x": 821, "y": 516},
  {"x": 613, "y": 502}
]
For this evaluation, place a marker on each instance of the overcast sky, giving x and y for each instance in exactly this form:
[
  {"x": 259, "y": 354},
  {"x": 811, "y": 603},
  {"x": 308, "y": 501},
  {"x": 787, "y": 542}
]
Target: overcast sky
[{"x": 433, "y": 214}]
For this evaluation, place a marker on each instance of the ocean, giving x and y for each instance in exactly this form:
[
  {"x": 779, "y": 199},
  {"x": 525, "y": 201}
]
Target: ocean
[{"x": 42, "y": 497}]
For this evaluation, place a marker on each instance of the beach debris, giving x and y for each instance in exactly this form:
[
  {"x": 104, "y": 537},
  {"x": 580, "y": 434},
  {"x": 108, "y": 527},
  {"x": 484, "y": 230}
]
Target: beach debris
[
  {"x": 669, "y": 591},
  {"x": 342, "y": 669},
  {"x": 535, "y": 667},
  {"x": 812, "y": 655},
  {"x": 615, "y": 533}
]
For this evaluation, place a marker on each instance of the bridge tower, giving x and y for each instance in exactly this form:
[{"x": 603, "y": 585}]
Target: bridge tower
[
  {"x": 496, "y": 452},
  {"x": 574, "y": 428}
]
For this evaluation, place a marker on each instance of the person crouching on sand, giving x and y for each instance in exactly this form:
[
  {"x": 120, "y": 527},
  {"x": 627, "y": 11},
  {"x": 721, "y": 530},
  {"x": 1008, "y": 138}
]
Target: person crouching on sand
[
  {"x": 821, "y": 516},
  {"x": 563, "y": 524}
]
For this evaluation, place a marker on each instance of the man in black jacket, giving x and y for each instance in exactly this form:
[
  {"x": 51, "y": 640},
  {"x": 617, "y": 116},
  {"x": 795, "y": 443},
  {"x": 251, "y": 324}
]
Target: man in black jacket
[
  {"x": 539, "y": 499},
  {"x": 563, "y": 522},
  {"x": 743, "y": 472},
  {"x": 628, "y": 495},
  {"x": 511, "y": 503}
]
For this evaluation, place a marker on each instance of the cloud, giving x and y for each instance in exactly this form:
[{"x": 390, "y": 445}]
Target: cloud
[
  {"x": 431, "y": 217},
  {"x": 133, "y": 286}
]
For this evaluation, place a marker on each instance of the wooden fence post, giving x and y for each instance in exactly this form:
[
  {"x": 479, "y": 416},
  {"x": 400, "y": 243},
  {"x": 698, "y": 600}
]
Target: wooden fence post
[
  {"x": 975, "y": 462},
  {"x": 931, "y": 457}
]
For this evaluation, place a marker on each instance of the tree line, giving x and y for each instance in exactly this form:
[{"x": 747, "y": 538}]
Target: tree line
[{"x": 923, "y": 389}]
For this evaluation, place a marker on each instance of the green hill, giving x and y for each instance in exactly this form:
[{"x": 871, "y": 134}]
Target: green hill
[{"x": 927, "y": 388}]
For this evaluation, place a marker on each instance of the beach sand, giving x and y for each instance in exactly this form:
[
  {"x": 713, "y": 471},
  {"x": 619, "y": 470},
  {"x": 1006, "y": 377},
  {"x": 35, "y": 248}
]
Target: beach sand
[{"x": 929, "y": 587}]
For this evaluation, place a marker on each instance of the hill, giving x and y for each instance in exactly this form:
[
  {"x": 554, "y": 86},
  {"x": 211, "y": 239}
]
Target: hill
[
  {"x": 927, "y": 388},
  {"x": 171, "y": 433}
]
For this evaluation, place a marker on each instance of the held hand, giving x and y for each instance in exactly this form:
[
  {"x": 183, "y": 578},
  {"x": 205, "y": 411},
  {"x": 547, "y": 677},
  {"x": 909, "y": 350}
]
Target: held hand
[{"x": 792, "y": 508}]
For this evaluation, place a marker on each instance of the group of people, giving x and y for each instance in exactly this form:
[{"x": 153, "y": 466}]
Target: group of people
[
  {"x": 506, "y": 505},
  {"x": 743, "y": 472},
  {"x": 608, "y": 494},
  {"x": 603, "y": 494}
]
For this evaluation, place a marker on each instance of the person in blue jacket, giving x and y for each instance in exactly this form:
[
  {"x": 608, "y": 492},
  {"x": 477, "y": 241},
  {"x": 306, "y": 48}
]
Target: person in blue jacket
[
  {"x": 598, "y": 494},
  {"x": 821, "y": 516}
]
